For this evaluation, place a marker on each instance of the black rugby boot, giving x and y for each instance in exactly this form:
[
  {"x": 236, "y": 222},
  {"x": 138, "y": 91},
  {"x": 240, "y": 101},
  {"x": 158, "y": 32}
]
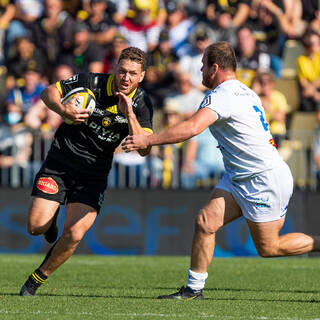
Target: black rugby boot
[{"x": 184, "y": 293}]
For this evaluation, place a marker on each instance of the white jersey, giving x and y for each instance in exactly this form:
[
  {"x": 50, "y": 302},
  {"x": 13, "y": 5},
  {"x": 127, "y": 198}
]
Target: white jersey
[{"x": 241, "y": 129}]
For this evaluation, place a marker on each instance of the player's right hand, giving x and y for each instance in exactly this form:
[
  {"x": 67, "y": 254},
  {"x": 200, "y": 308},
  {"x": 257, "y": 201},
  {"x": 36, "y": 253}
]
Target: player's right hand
[{"x": 74, "y": 113}]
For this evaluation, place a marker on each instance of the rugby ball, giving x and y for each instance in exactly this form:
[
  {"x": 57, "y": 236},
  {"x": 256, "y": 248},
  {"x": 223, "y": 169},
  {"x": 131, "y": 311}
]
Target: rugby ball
[{"x": 85, "y": 100}]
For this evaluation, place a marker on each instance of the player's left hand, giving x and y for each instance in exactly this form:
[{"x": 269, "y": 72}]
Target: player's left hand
[
  {"x": 125, "y": 104},
  {"x": 135, "y": 142}
]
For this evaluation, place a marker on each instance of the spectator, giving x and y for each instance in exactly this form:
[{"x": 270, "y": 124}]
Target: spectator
[
  {"x": 15, "y": 147},
  {"x": 25, "y": 97},
  {"x": 179, "y": 27},
  {"x": 308, "y": 67},
  {"x": 288, "y": 15},
  {"x": 9, "y": 28},
  {"x": 39, "y": 117},
  {"x": 53, "y": 32},
  {"x": 192, "y": 62},
  {"x": 252, "y": 57},
  {"x": 142, "y": 26},
  {"x": 228, "y": 13},
  {"x": 29, "y": 10},
  {"x": 311, "y": 13},
  {"x": 269, "y": 25},
  {"x": 186, "y": 97},
  {"x": 84, "y": 55},
  {"x": 100, "y": 23},
  {"x": 274, "y": 103},
  {"x": 26, "y": 53},
  {"x": 111, "y": 58},
  {"x": 162, "y": 62},
  {"x": 202, "y": 160}
]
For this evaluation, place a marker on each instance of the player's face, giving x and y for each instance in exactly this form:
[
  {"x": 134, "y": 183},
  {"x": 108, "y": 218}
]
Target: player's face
[
  {"x": 207, "y": 72},
  {"x": 128, "y": 76}
]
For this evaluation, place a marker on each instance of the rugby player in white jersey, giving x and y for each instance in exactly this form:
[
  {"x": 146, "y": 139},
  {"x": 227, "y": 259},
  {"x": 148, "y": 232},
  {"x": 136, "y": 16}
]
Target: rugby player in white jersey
[{"x": 258, "y": 183}]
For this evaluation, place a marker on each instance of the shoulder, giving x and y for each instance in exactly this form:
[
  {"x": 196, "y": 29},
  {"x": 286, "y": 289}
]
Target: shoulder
[{"x": 141, "y": 98}]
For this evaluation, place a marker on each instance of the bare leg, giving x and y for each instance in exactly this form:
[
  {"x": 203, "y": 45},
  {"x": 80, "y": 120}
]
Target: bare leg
[
  {"x": 269, "y": 243},
  {"x": 40, "y": 215},
  {"x": 80, "y": 218},
  {"x": 221, "y": 209}
]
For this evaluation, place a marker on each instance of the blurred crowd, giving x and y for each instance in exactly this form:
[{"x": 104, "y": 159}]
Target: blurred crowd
[{"x": 277, "y": 43}]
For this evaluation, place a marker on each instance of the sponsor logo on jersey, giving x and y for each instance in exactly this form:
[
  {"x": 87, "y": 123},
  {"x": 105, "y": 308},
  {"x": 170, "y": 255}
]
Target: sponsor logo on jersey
[
  {"x": 106, "y": 121},
  {"x": 99, "y": 112},
  {"x": 113, "y": 109},
  {"x": 120, "y": 119},
  {"x": 47, "y": 185},
  {"x": 72, "y": 79}
]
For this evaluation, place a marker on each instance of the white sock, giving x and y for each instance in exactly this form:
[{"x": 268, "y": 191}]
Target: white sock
[{"x": 196, "y": 281}]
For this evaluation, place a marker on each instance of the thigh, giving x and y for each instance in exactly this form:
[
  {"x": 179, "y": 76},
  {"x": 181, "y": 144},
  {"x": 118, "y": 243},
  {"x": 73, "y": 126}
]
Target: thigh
[
  {"x": 41, "y": 211},
  {"x": 265, "y": 197},
  {"x": 265, "y": 233},
  {"x": 220, "y": 210},
  {"x": 51, "y": 182},
  {"x": 88, "y": 190}
]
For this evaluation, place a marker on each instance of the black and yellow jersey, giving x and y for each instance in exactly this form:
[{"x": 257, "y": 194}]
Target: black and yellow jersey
[{"x": 93, "y": 142}]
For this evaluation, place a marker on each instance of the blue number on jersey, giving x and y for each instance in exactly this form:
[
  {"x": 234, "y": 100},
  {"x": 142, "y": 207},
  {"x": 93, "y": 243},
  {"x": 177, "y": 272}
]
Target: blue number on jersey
[{"x": 262, "y": 118}]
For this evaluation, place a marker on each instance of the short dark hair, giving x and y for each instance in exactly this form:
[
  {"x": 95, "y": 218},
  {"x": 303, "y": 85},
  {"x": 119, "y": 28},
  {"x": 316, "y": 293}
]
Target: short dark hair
[
  {"x": 222, "y": 54},
  {"x": 134, "y": 54},
  {"x": 307, "y": 36}
]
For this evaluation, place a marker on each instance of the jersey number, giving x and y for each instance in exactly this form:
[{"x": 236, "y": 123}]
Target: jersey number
[{"x": 262, "y": 118}]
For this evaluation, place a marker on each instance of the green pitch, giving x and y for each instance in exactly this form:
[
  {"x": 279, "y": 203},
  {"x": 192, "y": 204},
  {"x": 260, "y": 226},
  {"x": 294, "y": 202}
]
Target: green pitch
[{"x": 98, "y": 287}]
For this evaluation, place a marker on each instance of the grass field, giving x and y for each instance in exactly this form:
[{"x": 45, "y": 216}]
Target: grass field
[{"x": 99, "y": 287}]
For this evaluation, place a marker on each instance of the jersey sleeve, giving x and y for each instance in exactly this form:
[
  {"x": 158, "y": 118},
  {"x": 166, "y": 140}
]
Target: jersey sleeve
[
  {"x": 216, "y": 101},
  {"x": 144, "y": 112},
  {"x": 76, "y": 81}
]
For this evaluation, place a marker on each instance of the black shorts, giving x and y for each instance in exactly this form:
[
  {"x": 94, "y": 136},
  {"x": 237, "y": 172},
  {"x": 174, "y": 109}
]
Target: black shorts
[{"x": 58, "y": 182}]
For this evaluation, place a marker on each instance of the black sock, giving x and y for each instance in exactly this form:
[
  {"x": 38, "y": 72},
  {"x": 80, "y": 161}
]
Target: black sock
[
  {"x": 47, "y": 255},
  {"x": 35, "y": 280}
]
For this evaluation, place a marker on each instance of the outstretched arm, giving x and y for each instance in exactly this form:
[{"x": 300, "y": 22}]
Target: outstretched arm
[{"x": 177, "y": 133}]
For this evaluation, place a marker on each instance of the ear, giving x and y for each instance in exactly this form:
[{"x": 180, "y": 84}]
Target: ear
[
  {"x": 215, "y": 67},
  {"x": 143, "y": 73}
]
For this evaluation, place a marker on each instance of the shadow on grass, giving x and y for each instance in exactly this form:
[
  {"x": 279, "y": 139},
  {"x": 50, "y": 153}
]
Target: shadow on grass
[
  {"x": 245, "y": 290},
  {"x": 56, "y": 295}
]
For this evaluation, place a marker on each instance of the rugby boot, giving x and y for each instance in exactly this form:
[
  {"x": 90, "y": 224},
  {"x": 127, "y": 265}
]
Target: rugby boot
[
  {"x": 52, "y": 233},
  {"x": 34, "y": 281},
  {"x": 184, "y": 293}
]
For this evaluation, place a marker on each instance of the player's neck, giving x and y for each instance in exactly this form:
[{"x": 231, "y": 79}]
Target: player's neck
[{"x": 223, "y": 76}]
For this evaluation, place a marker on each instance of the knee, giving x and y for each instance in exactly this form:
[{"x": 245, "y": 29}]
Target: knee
[
  {"x": 268, "y": 250},
  {"x": 73, "y": 235},
  {"x": 207, "y": 222},
  {"x": 35, "y": 230}
]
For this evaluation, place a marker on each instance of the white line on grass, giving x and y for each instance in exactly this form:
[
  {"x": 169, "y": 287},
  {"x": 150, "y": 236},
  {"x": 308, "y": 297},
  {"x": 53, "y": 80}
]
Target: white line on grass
[{"x": 156, "y": 315}]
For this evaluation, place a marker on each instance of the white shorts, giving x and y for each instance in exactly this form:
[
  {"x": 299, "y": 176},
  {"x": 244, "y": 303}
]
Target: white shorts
[{"x": 264, "y": 197}]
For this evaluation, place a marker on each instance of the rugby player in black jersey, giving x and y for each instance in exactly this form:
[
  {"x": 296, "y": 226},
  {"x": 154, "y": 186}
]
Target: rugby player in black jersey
[{"x": 76, "y": 168}]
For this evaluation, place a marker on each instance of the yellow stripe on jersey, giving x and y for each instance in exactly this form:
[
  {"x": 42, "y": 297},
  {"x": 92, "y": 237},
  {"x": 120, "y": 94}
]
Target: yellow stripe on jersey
[
  {"x": 109, "y": 83},
  {"x": 58, "y": 85},
  {"x": 132, "y": 93},
  {"x": 148, "y": 130},
  {"x": 109, "y": 87}
]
